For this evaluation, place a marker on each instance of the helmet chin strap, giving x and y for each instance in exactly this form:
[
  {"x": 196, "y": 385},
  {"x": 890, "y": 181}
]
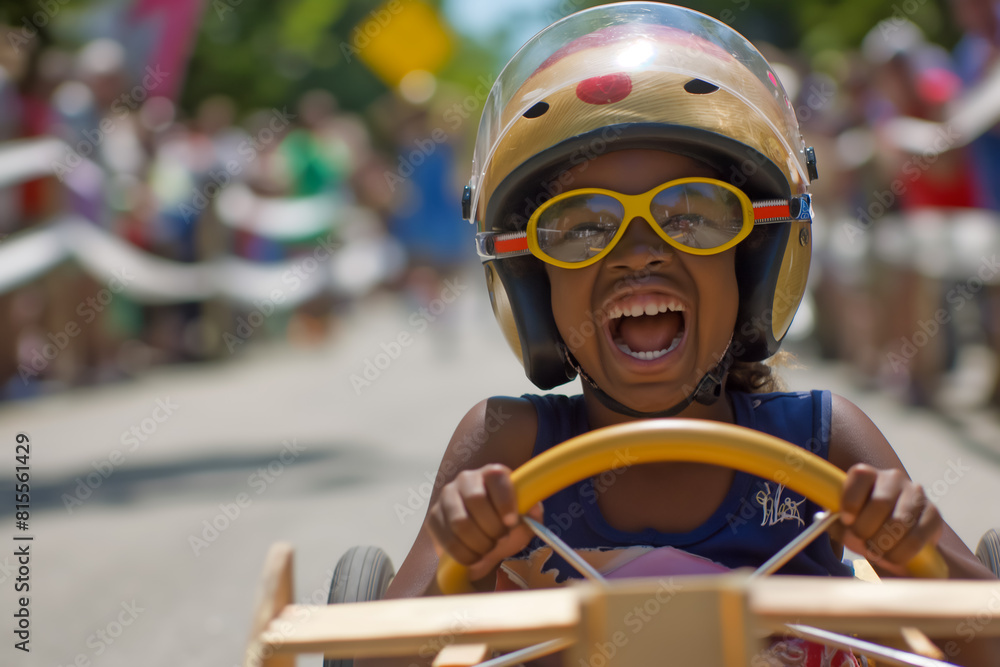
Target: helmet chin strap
[{"x": 707, "y": 392}]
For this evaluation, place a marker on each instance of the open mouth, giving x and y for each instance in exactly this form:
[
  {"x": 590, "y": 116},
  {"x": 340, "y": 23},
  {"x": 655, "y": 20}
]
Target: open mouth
[{"x": 646, "y": 327}]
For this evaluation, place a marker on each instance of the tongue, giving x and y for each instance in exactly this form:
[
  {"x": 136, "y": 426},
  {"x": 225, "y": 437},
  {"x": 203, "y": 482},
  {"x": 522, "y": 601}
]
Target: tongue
[{"x": 650, "y": 333}]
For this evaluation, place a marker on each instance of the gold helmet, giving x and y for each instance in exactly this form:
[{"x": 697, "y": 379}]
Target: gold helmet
[{"x": 639, "y": 75}]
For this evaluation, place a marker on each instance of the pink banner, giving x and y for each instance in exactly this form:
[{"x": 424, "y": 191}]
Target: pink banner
[{"x": 177, "y": 24}]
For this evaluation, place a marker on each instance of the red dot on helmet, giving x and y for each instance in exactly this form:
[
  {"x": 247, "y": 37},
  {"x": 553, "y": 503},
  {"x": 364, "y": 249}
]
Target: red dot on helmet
[{"x": 604, "y": 89}]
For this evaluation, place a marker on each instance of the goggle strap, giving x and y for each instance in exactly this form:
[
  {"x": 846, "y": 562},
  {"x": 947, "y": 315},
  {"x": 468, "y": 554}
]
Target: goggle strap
[
  {"x": 513, "y": 242},
  {"x": 782, "y": 210},
  {"x": 491, "y": 245},
  {"x": 770, "y": 211}
]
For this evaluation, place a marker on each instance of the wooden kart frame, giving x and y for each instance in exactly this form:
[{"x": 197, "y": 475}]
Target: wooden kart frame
[
  {"x": 719, "y": 620},
  {"x": 710, "y": 621}
]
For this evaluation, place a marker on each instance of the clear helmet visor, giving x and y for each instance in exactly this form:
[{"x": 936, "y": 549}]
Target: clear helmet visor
[{"x": 634, "y": 62}]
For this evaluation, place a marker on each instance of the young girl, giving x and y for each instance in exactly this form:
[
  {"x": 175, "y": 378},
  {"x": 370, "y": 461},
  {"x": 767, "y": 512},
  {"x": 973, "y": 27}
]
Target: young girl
[{"x": 640, "y": 190}]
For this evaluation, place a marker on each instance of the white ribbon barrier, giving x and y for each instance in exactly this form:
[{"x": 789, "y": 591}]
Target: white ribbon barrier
[
  {"x": 348, "y": 270},
  {"x": 27, "y": 159},
  {"x": 281, "y": 219}
]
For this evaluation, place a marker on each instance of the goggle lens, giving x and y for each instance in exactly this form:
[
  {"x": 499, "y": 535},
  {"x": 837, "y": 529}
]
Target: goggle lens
[
  {"x": 699, "y": 216},
  {"x": 578, "y": 227}
]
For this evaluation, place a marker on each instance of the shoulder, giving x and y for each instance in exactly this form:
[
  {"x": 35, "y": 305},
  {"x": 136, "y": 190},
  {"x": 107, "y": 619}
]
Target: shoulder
[
  {"x": 854, "y": 438},
  {"x": 500, "y": 429},
  {"x": 778, "y": 400},
  {"x": 801, "y": 417}
]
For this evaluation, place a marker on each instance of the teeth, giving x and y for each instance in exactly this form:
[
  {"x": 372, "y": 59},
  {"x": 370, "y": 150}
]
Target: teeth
[
  {"x": 649, "y": 355},
  {"x": 635, "y": 310}
]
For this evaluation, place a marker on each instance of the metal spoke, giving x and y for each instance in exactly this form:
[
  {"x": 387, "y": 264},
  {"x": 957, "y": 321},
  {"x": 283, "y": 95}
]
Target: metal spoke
[
  {"x": 884, "y": 654},
  {"x": 820, "y": 523},
  {"x": 527, "y": 653},
  {"x": 564, "y": 550}
]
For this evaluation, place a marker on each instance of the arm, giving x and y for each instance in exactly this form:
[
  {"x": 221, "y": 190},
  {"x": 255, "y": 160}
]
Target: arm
[
  {"x": 499, "y": 430},
  {"x": 887, "y": 518},
  {"x": 498, "y": 433}
]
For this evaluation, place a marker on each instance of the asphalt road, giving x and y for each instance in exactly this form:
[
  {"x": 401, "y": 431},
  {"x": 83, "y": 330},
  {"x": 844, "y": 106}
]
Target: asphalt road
[{"x": 153, "y": 502}]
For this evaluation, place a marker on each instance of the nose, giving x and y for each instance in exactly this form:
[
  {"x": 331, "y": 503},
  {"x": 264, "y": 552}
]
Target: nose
[{"x": 639, "y": 247}]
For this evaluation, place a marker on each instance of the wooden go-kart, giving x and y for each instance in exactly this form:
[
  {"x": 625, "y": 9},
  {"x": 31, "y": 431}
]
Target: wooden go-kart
[{"x": 717, "y": 620}]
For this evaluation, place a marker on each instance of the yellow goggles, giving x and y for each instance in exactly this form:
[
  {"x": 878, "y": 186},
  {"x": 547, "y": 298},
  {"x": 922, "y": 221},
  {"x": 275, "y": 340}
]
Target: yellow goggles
[{"x": 700, "y": 216}]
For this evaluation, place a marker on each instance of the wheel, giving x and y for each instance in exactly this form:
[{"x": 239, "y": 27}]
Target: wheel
[
  {"x": 988, "y": 551},
  {"x": 362, "y": 574},
  {"x": 695, "y": 440}
]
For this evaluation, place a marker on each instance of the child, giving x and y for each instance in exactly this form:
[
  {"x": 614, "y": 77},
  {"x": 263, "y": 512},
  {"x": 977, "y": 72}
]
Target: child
[{"x": 640, "y": 190}]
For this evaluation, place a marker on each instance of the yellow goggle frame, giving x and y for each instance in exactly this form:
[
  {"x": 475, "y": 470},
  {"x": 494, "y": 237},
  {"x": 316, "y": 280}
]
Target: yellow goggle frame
[{"x": 501, "y": 245}]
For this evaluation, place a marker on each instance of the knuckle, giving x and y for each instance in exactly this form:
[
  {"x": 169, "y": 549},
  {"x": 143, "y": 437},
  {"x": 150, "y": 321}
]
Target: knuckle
[
  {"x": 881, "y": 503},
  {"x": 496, "y": 531},
  {"x": 435, "y": 517},
  {"x": 495, "y": 470},
  {"x": 465, "y": 477},
  {"x": 864, "y": 529},
  {"x": 850, "y": 501},
  {"x": 447, "y": 493},
  {"x": 862, "y": 534},
  {"x": 450, "y": 502},
  {"x": 476, "y": 498},
  {"x": 896, "y": 476},
  {"x": 461, "y": 524},
  {"x": 460, "y": 553},
  {"x": 919, "y": 501},
  {"x": 863, "y": 471},
  {"x": 479, "y": 509}
]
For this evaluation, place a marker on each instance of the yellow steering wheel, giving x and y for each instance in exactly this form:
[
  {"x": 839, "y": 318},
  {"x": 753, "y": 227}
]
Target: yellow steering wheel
[{"x": 693, "y": 440}]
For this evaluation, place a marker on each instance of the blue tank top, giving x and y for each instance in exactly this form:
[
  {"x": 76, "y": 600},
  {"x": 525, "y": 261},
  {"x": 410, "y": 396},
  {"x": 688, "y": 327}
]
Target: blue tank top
[{"x": 756, "y": 518}]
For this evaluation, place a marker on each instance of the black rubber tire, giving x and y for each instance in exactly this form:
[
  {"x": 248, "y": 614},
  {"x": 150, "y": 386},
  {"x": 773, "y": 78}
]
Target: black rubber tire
[
  {"x": 988, "y": 551},
  {"x": 362, "y": 574}
]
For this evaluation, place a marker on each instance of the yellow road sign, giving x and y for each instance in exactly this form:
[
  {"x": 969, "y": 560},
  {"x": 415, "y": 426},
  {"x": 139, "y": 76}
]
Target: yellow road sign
[{"x": 398, "y": 37}]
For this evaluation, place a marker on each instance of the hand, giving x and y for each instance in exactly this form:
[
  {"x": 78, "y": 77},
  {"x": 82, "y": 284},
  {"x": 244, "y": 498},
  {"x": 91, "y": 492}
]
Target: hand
[
  {"x": 886, "y": 517},
  {"x": 475, "y": 519}
]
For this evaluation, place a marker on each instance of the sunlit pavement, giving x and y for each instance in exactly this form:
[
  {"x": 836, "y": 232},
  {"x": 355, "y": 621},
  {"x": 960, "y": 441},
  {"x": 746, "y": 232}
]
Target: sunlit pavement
[{"x": 153, "y": 502}]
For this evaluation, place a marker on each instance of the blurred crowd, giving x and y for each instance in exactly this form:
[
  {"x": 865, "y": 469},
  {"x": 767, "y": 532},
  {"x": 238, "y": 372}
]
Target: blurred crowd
[
  {"x": 297, "y": 190},
  {"x": 908, "y": 217},
  {"x": 905, "y": 277}
]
